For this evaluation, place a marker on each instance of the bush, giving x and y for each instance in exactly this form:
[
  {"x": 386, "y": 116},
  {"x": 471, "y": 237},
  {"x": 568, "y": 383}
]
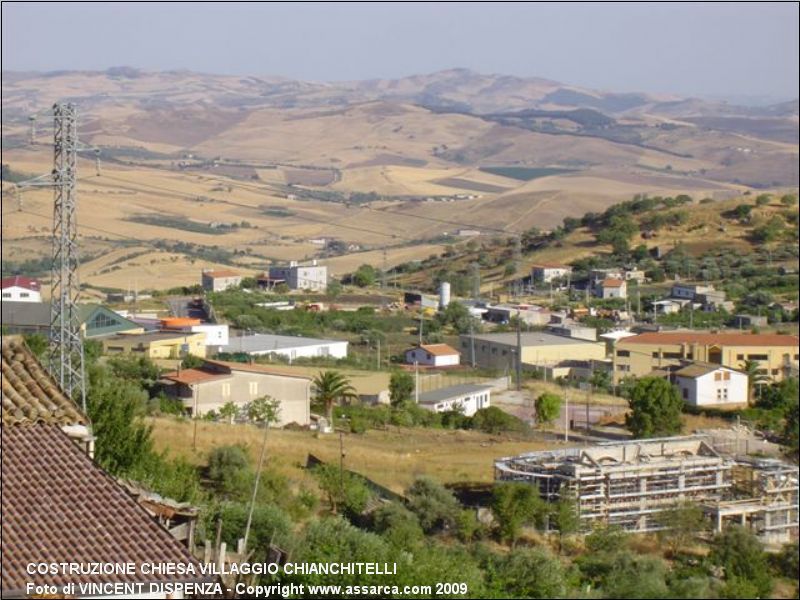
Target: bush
[
  {"x": 493, "y": 420},
  {"x": 434, "y": 505}
]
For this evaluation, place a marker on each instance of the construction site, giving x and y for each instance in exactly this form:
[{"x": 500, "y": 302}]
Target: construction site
[{"x": 630, "y": 483}]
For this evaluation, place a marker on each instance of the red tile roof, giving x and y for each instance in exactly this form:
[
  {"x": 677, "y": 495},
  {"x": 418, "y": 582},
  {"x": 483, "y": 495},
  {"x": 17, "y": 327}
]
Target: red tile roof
[
  {"x": 23, "y": 282},
  {"x": 613, "y": 283},
  {"x": 191, "y": 376},
  {"x": 58, "y": 506},
  {"x": 709, "y": 339},
  {"x": 440, "y": 349},
  {"x": 30, "y": 394}
]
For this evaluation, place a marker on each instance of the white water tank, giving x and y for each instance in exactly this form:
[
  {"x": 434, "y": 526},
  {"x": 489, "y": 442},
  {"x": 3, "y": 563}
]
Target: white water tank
[{"x": 444, "y": 295}]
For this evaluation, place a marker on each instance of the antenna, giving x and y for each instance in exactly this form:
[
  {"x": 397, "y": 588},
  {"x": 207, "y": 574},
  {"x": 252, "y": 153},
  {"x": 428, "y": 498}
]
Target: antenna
[{"x": 66, "y": 344}]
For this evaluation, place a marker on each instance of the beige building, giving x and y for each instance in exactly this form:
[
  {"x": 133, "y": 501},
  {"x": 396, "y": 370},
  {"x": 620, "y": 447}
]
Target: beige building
[
  {"x": 497, "y": 350},
  {"x": 163, "y": 344},
  {"x": 639, "y": 355},
  {"x": 220, "y": 280},
  {"x": 218, "y": 382}
]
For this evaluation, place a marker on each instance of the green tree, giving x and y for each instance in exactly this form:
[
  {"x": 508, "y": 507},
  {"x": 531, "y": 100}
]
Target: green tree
[
  {"x": 740, "y": 553},
  {"x": 229, "y": 410},
  {"x": 548, "y": 408},
  {"x": 791, "y": 430},
  {"x": 655, "y": 408},
  {"x": 457, "y": 316},
  {"x": 681, "y": 524},
  {"x": 515, "y": 504},
  {"x": 755, "y": 378},
  {"x": 116, "y": 408},
  {"x": 788, "y": 199},
  {"x": 264, "y": 410},
  {"x": 401, "y": 388},
  {"x": 331, "y": 387},
  {"x": 434, "y": 505},
  {"x": 494, "y": 420},
  {"x": 531, "y": 573},
  {"x": 344, "y": 489},
  {"x": 364, "y": 276},
  {"x": 398, "y": 525},
  {"x": 565, "y": 516},
  {"x": 37, "y": 343}
]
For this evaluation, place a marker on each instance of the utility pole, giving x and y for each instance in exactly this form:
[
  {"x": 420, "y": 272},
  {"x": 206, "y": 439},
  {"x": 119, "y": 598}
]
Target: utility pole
[
  {"x": 379, "y": 354},
  {"x": 66, "y": 344},
  {"x": 421, "y": 314},
  {"x": 472, "y": 341},
  {"x": 519, "y": 354},
  {"x": 255, "y": 487},
  {"x": 416, "y": 382},
  {"x": 566, "y": 412}
]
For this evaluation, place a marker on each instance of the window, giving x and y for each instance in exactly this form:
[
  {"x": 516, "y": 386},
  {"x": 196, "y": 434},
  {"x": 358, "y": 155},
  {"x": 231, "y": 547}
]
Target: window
[
  {"x": 24, "y": 295},
  {"x": 101, "y": 321},
  {"x": 775, "y": 371},
  {"x": 726, "y": 376},
  {"x": 655, "y": 354},
  {"x": 717, "y": 376},
  {"x": 685, "y": 394},
  {"x": 623, "y": 353},
  {"x": 6, "y": 294},
  {"x": 740, "y": 357},
  {"x": 673, "y": 355},
  {"x": 719, "y": 393},
  {"x": 757, "y": 357},
  {"x": 494, "y": 350},
  {"x": 505, "y": 352}
]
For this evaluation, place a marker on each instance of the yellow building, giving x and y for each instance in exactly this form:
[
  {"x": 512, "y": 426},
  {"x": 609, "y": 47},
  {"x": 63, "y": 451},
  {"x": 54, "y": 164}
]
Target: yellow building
[
  {"x": 777, "y": 355},
  {"x": 497, "y": 350},
  {"x": 161, "y": 344}
]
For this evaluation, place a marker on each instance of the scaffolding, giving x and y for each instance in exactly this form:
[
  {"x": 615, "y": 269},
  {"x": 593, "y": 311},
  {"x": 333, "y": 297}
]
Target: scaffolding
[{"x": 630, "y": 483}]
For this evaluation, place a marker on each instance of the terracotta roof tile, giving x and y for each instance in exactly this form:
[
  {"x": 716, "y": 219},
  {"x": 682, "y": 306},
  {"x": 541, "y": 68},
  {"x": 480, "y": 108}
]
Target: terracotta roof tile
[
  {"x": 613, "y": 283},
  {"x": 58, "y": 506},
  {"x": 440, "y": 349},
  {"x": 190, "y": 376},
  {"x": 30, "y": 394},
  {"x": 257, "y": 368},
  {"x": 221, "y": 273},
  {"x": 720, "y": 339}
]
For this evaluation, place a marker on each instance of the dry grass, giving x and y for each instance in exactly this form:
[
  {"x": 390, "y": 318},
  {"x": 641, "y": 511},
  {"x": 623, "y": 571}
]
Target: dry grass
[{"x": 392, "y": 458}]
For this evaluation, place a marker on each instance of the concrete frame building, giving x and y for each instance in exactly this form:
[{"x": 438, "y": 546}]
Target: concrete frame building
[
  {"x": 220, "y": 280},
  {"x": 629, "y": 483},
  {"x": 313, "y": 277}
]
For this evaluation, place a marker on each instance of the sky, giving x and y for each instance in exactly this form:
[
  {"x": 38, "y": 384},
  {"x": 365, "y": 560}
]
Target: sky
[{"x": 725, "y": 50}]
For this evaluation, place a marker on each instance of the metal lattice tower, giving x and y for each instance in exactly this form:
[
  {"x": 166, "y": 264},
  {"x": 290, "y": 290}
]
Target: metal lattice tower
[{"x": 66, "y": 344}]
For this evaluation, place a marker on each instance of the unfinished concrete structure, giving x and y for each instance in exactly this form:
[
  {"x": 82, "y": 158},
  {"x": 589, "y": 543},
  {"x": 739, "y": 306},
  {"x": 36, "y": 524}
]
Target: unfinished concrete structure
[{"x": 629, "y": 483}]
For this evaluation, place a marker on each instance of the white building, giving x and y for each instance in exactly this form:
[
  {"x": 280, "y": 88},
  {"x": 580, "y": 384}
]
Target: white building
[
  {"x": 21, "y": 289},
  {"x": 704, "y": 384},
  {"x": 433, "y": 355},
  {"x": 689, "y": 291},
  {"x": 221, "y": 280},
  {"x": 469, "y": 398},
  {"x": 263, "y": 344},
  {"x": 216, "y": 334},
  {"x": 301, "y": 277},
  {"x": 544, "y": 273},
  {"x": 613, "y": 288}
]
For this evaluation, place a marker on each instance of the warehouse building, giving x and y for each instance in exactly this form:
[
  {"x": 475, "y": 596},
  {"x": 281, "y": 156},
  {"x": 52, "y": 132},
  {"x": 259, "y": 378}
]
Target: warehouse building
[{"x": 539, "y": 349}]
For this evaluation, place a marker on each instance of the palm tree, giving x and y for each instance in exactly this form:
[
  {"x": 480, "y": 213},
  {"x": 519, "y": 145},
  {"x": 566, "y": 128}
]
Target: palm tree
[
  {"x": 755, "y": 378},
  {"x": 332, "y": 386}
]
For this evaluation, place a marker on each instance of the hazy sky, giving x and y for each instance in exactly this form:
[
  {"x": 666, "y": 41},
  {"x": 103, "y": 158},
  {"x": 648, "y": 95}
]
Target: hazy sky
[{"x": 699, "y": 49}]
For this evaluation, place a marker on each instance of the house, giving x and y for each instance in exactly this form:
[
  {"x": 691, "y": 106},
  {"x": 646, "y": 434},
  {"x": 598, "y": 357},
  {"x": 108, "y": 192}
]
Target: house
[
  {"x": 528, "y": 314},
  {"x": 158, "y": 344},
  {"x": 596, "y": 276},
  {"x": 21, "y": 289},
  {"x": 216, "y": 333},
  {"x": 704, "y": 384},
  {"x": 218, "y": 382},
  {"x": 311, "y": 277},
  {"x": 59, "y": 506},
  {"x": 539, "y": 349},
  {"x": 669, "y": 306},
  {"x": 545, "y": 273},
  {"x": 469, "y": 398},
  {"x": 750, "y": 321},
  {"x": 220, "y": 280},
  {"x": 640, "y": 354},
  {"x": 96, "y": 320},
  {"x": 612, "y": 288},
  {"x": 690, "y": 291},
  {"x": 291, "y": 347},
  {"x": 433, "y": 355}
]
